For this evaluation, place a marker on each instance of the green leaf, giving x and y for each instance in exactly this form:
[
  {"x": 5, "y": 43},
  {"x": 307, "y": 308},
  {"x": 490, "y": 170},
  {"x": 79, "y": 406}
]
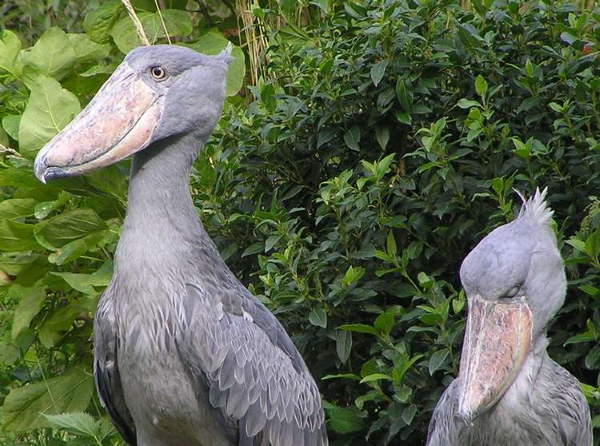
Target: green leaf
[
  {"x": 359, "y": 328},
  {"x": 481, "y": 86},
  {"x": 9, "y": 353},
  {"x": 554, "y": 106},
  {"x": 10, "y": 123},
  {"x": 49, "y": 109},
  {"x": 382, "y": 134},
  {"x": 408, "y": 414},
  {"x": 214, "y": 42},
  {"x": 60, "y": 230},
  {"x": 318, "y": 317},
  {"x": 58, "y": 323},
  {"x": 345, "y": 420},
  {"x": 437, "y": 360},
  {"x": 75, "y": 249},
  {"x": 467, "y": 103},
  {"x": 404, "y": 95},
  {"x": 352, "y": 138},
  {"x": 385, "y": 322},
  {"x": 592, "y": 359},
  {"x": 17, "y": 208},
  {"x": 31, "y": 300},
  {"x": 16, "y": 236},
  {"x": 24, "y": 406},
  {"x": 375, "y": 377},
  {"x": 341, "y": 376},
  {"x": 84, "y": 283},
  {"x": 267, "y": 97},
  {"x": 86, "y": 50},
  {"x": 124, "y": 34},
  {"x": 77, "y": 422},
  {"x": 391, "y": 247},
  {"x": 377, "y": 71},
  {"x": 10, "y": 45},
  {"x": 52, "y": 55},
  {"x": 98, "y": 23},
  {"x": 353, "y": 275},
  {"x": 343, "y": 344}
]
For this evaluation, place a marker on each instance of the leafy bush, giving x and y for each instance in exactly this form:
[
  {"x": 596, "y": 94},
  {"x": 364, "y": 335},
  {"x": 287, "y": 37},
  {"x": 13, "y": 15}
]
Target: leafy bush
[{"x": 345, "y": 188}]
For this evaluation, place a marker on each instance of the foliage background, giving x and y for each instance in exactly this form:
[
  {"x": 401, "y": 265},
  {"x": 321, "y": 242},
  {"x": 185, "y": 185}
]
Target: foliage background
[{"x": 373, "y": 144}]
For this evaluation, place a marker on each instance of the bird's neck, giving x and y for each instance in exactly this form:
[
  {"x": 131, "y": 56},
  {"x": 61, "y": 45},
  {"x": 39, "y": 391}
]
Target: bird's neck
[{"x": 162, "y": 223}]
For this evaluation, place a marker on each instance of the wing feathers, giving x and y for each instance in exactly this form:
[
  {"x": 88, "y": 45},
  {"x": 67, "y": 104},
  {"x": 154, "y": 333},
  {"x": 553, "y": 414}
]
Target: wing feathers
[{"x": 254, "y": 373}]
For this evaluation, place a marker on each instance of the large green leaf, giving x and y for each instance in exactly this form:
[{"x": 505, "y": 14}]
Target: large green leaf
[
  {"x": 86, "y": 50},
  {"x": 84, "y": 424},
  {"x": 10, "y": 124},
  {"x": 24, "y": 406},
  {"x": 10, "y": 45},
  {"x": 16, "y": 236},
  {"x": 49, "y": 109},
  {"x": 17, "y": 207},
  {"x": 52, "y": 55},
  {"x": 214, "y": 42},
  {"x": 97, "y": 23},
  {"x": 85, "y": 283},
  {"x": 124, "y": 34},
  {"x": 60, "y": 230},
  {"x": 345, "y": 419},
  {"x": 31, "y": 300},
  {"x": 58, "y": 323}
]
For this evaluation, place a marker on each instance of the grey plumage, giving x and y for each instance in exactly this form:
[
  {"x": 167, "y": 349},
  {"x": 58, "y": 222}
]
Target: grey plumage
[
  {"x": 542, "y": 404},
  {"x": 184, "y": 353}
]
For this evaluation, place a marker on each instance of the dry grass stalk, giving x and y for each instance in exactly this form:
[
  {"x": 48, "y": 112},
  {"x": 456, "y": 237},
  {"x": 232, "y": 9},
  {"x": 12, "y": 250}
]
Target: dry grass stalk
[
  {"x": 136, "y": 22},
  {"x": 162, "y": 21},
  {"x": 254, "y": 36}
]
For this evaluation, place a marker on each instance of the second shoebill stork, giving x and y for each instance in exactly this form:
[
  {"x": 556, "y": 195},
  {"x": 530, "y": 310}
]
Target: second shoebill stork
[
  {"x": 509, "y": 392},
  {"x": 184, "y": 354}
]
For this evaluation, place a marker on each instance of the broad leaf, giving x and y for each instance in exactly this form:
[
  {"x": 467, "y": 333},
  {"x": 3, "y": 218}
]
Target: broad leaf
[
  {"x": 31, "y": 301},
  {"x": 98, "y": 23},
  {"x": 52, "y": 55},
  {"x": 10, "y": 45},
  {"x": 50, "y": 108},
  {"x": 60, "y": 230},
  {"x": 17, "y": 208},
  {"x": 58, "y": 323},
  {"x": 16, "y": 236},
  {"x": 24, "y": 406}
]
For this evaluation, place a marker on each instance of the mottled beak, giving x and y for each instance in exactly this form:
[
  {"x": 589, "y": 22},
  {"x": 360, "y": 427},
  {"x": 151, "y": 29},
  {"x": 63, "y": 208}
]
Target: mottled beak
[
  {"x": 119, "y": 121},
  {"x": 497, "y": 340}
]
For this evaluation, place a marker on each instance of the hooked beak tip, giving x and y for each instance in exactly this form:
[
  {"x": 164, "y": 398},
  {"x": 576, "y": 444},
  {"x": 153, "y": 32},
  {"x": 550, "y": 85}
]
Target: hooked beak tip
[{"x": 40, "y": 169}]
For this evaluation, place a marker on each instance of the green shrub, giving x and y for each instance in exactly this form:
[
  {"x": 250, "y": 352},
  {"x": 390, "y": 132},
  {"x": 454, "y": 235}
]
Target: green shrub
[{"x": 344, "y": 189}]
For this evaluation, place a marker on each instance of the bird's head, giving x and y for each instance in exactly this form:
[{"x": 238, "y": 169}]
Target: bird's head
[
  {"x": 515, "y": 282},
  {"x": 157, "y": 92}
]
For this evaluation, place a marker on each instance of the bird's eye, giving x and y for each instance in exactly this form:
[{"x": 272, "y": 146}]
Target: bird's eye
[{"x": 158, "y": 73}]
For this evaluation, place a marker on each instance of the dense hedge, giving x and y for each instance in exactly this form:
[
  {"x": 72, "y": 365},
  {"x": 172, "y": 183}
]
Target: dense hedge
[{"x": 345, "y": 189}]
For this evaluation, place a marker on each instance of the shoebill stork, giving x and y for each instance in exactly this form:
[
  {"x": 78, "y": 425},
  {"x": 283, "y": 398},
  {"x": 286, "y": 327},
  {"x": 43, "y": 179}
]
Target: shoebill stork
[
  {"x": 184, "y": 354},
  {"x": 508, "y": 391}
]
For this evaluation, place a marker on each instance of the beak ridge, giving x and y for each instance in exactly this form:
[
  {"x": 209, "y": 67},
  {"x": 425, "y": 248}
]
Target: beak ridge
[{"x": 497, "y": 341}]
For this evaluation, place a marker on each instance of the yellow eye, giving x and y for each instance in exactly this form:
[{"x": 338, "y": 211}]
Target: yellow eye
[{"x": 158, "y": 73}]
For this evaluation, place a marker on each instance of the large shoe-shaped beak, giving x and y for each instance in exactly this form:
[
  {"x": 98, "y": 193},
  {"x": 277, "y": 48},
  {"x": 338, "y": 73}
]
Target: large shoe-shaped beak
[
  {"x": 497, "y": 341},
  {"x": 119, "y": 121}
]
